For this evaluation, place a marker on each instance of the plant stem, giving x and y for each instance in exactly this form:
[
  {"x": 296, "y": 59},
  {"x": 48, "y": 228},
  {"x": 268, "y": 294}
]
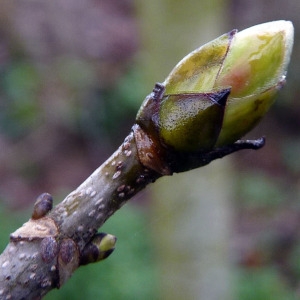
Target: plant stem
[{"x": 44, "y": 253}]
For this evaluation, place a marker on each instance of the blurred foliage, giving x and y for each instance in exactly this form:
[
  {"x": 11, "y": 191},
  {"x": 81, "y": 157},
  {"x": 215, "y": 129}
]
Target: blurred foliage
[
  {"x": 10, "y": 220},
  {"x": 108, "y": 110},
  {"x": 294, "y": 261},
  {"x": 290, "y": 154},
  {"x": 262, "y": 284},
  {"x": 86, "y": 109},
  {"x": 19, "y": 111},
  {"x": 258, "y": 190}
]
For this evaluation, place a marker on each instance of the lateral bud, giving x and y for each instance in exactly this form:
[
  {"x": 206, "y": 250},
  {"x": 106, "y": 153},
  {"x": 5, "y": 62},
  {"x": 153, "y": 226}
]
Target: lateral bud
[
  {"x": 42, "y": 206},
  {"x": 99, "y": 248}
]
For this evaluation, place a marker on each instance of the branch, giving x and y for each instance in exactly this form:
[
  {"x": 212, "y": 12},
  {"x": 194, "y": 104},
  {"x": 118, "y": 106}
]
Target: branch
[
  {"x": 46, "y": 250},
  {"x": 175, "y": 131}
]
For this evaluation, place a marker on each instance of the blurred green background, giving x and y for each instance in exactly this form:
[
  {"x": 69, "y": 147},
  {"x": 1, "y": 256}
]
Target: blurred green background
[{"x": 72, "y": 77}]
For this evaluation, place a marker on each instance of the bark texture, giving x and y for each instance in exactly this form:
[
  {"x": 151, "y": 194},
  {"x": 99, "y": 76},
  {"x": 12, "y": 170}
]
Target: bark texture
[{"x": 45, "y": 251}]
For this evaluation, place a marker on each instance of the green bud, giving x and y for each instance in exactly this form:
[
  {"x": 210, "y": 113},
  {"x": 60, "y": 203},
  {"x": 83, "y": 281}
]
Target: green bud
[
  {"x": 255, "y": 69},
  {"x": 252, "y": 63},
  {"x": 214, "y": 96},
  {"x": 99, "y": 248}
]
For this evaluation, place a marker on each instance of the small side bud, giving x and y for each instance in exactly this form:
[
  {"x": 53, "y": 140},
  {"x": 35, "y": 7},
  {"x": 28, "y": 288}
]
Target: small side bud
[
  {"x": 68, "y": 260},
  {"x": 49, "y": 249},
  {"x": 42, "y": 206},
  {"x": 100, "y": 247}
]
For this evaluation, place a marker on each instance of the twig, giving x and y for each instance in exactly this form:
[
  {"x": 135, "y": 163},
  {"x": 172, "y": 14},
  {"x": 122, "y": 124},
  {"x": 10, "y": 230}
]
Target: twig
[{"x": 46, "y": 250}]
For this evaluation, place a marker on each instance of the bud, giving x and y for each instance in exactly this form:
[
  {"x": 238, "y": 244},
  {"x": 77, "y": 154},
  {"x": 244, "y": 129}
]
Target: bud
[
  {"x": 255, "y": 68},
  {"x": 42, "y": 206},
  {"x": 213, "y": 97},
  {"x": 252, "y": 63},
  {"x": 99, "y": 248}
]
